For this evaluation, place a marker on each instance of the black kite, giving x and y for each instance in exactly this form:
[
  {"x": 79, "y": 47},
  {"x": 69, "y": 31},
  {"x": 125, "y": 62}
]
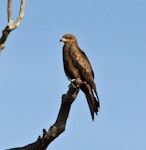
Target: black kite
[{"x": 78, "y": 68}]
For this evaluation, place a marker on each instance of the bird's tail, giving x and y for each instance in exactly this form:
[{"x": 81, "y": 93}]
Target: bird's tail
[{"x": 93, "y": 102}]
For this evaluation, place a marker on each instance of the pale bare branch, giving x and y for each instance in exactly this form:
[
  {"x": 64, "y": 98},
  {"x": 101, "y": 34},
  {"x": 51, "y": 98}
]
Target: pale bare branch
[
  {"x": 11, "y": 24},
  {"x": 21, "y": 13},
  {"x": 9, "y": 12}
]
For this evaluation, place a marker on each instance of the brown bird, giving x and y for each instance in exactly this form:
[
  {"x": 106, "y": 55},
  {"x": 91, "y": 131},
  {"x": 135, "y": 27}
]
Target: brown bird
[{"x": 78, "y": 69}]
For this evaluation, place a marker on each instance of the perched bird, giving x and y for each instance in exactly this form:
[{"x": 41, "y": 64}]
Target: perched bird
[{"x": 78, "y": 69}]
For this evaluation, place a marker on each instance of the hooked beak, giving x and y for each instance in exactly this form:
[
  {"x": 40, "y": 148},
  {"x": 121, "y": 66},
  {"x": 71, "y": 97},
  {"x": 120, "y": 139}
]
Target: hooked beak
[{"x": 61, "y": 40}]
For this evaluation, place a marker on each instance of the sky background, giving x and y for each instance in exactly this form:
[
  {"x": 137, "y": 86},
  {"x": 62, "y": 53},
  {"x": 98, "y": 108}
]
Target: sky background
[{"x": 113, "y": 35}]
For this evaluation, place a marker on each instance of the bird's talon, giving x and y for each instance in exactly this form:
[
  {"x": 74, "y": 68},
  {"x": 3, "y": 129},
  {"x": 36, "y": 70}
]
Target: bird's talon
[
  {"x": 75, "y": 83},
  {"x": 73, "y": 80}
]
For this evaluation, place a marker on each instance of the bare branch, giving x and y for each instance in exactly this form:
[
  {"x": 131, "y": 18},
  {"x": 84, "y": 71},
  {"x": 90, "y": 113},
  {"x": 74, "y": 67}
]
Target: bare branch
[
  {"x": 11, "y": 25},
  {"x": 59, "y": 126},
  {"x": 10, "y": 21},
  {"x": 21, "y": 14}
]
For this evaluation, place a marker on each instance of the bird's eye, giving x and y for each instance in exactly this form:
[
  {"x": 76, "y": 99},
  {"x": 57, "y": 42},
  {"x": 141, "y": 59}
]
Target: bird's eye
[{"x": 69, "y": 37}]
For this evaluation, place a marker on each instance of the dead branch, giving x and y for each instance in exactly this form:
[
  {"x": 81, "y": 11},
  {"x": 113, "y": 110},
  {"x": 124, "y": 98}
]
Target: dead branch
[
  {"x": 11, "y": 25},
  {"x": 58, "y": 127}
]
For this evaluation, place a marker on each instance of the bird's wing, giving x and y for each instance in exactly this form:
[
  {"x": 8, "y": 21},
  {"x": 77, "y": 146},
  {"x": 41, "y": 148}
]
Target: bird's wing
[{"x": 81, "y": 62}]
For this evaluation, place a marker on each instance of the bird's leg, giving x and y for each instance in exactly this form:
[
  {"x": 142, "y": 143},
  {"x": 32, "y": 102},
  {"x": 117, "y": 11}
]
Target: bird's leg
[{"x": 77, "y": 82}]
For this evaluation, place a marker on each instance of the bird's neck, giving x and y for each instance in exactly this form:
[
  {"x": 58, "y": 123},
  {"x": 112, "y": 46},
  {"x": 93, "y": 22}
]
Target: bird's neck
[{"x": 70, "y": 45}]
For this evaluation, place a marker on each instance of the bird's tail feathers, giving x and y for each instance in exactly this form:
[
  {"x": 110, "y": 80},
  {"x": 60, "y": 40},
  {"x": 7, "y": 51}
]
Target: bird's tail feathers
[
  {"x": 96, "y": 98},
  {"x": 93, "y": 105},
  {"x": 93, "y": 85},
  {"x": 92, "y": 101}
]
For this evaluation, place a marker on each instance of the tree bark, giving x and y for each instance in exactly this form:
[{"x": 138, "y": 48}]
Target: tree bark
[{"x": 58, "y": 127}]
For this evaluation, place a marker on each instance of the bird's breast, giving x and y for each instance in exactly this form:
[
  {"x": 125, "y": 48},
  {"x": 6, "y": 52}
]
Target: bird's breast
[{"x": 70, "y": 70}]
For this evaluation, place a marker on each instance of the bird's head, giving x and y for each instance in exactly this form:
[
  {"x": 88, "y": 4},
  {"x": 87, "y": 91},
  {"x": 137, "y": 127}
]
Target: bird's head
[{"x": 68, "y": 38}]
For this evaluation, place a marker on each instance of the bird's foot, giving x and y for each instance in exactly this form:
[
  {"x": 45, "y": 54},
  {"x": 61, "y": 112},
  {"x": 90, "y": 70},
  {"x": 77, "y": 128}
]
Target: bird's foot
[{"x": 77, "y": 82}]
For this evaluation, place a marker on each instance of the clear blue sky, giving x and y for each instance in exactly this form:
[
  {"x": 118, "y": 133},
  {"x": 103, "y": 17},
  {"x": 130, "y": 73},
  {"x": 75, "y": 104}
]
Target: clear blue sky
[{"x": 113, "y": 35}]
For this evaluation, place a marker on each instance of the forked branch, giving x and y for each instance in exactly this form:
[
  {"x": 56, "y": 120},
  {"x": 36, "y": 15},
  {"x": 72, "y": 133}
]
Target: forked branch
[{"x": 11, "y": 24}]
